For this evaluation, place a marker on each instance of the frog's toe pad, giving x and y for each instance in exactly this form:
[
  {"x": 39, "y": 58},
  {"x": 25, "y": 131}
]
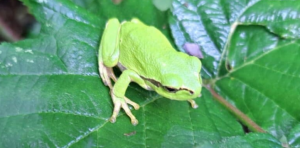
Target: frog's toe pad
[
  {"x": 195, "y": 106},
  {"x": 112, "y": 120},
  {"x": 135, "y": 105},
  {"x": 125, "y": 107},
  {"x": 134, "y": 122}
]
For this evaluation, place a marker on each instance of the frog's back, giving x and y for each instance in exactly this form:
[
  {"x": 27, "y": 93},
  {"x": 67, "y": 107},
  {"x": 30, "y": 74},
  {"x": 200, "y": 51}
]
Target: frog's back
[
  {"x": 141, "y": 39},
  {"x": 146, "y": 50}
]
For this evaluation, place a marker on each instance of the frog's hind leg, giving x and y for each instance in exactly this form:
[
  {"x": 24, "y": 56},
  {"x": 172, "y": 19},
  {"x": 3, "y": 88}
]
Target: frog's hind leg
[
  {"x": 106, "y": 74},
  {"x": 108, "y": 55}
]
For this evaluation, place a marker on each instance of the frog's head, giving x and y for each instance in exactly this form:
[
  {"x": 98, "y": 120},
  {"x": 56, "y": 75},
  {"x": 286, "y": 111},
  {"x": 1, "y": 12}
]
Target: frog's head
[{"x": 183, "y": 82}]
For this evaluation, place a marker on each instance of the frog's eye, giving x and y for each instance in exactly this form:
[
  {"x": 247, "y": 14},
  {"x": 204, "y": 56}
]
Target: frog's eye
[
  {"x": 156, "y": 83},
  {"x": 195, "y": 64},
  {"x": 170, "y": 89}
]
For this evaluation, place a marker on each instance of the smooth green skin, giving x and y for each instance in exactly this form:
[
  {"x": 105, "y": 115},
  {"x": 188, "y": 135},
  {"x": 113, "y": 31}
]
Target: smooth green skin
[{"x": 146, "y": 57}]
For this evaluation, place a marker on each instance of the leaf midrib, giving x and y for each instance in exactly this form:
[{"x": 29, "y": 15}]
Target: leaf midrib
[{"x": 231, "y": 31}]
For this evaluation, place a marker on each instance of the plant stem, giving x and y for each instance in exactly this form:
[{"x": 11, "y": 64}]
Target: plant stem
[
  {"x": 240, "y": 115},
  {"x": 7, "y": 32}
]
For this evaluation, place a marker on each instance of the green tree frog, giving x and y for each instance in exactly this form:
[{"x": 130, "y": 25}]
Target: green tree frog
[{"x": 145, "y": 57}]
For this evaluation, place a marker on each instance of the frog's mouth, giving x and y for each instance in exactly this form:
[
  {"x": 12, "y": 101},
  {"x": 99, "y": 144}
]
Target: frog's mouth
[
  {"x": 174, "y": 90},
  {"x": 178, "y": 94}
]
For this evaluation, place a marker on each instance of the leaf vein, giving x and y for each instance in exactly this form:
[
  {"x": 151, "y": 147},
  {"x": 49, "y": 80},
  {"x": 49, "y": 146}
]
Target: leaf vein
[
  {"x": 192, "y": 128},
  {"x": 273, "y": 70}
]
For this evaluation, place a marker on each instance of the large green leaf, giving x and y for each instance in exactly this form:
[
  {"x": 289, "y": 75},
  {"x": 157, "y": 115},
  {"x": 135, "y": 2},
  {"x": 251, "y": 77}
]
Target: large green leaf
[
  {"x": 51, "y": 94},
  {"x": 258, "y": 42}
]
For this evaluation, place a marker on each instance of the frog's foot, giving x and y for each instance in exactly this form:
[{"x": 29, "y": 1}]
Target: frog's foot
[
  {"x": 193, "y": 103},
  {"x": 135, "y": 105},
  {"x": 106, "y": 73},
  {"x": 122, "y": 103}
]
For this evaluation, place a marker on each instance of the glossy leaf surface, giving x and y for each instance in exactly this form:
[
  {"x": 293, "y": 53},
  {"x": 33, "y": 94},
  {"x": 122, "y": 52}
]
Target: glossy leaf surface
[{"x": 251, "y": 51}]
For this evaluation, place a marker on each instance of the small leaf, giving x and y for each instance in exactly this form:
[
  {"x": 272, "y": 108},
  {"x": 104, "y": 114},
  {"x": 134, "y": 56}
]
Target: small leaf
[
  {"x": 162, "y": 5},
  {"x": 193, "y": 50}
]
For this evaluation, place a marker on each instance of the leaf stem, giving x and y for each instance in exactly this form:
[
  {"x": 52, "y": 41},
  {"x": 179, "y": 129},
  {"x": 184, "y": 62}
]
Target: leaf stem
[
  {"x": 7, "y": 32},
  {"x": 240, "y": 115}
]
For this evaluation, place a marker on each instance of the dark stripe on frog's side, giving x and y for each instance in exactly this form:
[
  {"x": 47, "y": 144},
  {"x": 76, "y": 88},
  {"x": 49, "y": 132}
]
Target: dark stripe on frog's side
[
  {"x": 154, "y": 82},
  {"x": 170, "y": 89}
]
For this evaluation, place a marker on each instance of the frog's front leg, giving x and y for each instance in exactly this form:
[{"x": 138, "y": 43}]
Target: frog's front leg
[
  {"x": 118, "y": 94},
  {"x": 193, "y": 103}
]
